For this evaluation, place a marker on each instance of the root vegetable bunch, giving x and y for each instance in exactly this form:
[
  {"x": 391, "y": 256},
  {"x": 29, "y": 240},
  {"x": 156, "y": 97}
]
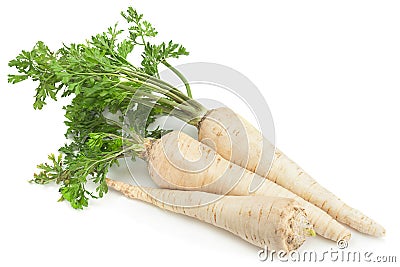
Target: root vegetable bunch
[{"x": 104, "y": 86}]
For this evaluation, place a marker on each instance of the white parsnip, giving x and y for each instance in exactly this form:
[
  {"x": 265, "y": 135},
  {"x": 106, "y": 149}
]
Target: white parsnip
[
  {"x": 278, "y": 223},
  {"x": 177, "y": 161},
  {"x": 227, "y": 131}
]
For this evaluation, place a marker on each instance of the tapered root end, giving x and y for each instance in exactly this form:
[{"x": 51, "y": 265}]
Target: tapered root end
[
  {"x": 112, "y": 183},
  {"x": 346, "y": 236},
  {"x": 383, "y": 232},
  {"x": 359, "y": 221},
  {"x": 296, "y": 228},
  {"x": 118, "y": 186},
  {"x": 380, "y": 231}
]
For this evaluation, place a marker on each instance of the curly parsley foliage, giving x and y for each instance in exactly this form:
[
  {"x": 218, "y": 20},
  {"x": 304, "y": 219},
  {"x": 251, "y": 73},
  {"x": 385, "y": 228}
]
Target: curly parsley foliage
[
  {"x": 153, "y": 54},
  {"x": 35, "y": 65},
  {"x": 80, "y": 163},
  {"x": 103, "y": 82}
]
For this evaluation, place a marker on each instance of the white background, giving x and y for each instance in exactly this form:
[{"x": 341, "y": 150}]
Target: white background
[{"x": 329, "y": 71}]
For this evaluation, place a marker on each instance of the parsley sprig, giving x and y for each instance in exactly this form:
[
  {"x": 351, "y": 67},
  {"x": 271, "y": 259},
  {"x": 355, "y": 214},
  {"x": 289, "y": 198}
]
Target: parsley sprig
[{"x": 105, "y": 86}]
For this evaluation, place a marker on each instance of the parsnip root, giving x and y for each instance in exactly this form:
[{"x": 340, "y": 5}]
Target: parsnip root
[
  {"x": 177, "y": 161},
  {"x": 231, "y": 135},
  {"x": 278, "y": 223}
]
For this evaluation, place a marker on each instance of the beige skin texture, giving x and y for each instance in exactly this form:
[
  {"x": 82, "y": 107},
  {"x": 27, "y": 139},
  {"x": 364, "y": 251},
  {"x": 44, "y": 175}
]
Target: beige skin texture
[
  {"x": 278, "y": 223},
  {"x": 238, "y": 141},
  {"x": 177, "y": 161}
]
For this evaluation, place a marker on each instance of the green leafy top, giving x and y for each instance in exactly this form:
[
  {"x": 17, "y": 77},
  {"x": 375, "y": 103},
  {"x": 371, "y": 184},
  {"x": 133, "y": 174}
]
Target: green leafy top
[
  {"x": 105, "y": 86},
  {"x": 153, "y": 54}
]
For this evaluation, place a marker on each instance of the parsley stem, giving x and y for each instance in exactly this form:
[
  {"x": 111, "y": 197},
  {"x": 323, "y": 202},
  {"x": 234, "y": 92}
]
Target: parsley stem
[
  {"x": 153, "y": 87},
  {"x": 159, "y": 83},
  {"x": 181, "y": 76},
  {"x": 176, "y": 91}
]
